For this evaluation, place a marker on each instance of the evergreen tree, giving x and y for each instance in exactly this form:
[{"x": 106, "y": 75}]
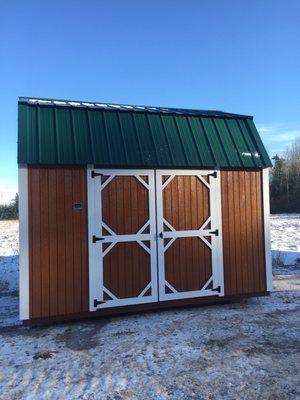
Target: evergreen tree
[{"x": 10, "y": 211}]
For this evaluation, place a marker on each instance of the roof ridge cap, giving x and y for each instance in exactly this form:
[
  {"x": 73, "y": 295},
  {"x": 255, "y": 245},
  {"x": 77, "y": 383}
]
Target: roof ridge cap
[{"x": 128, "y": 107}]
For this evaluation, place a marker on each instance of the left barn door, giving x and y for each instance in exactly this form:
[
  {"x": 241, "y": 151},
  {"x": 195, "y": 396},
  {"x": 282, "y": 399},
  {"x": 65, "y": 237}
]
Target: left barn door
[{"x": 122, "y": 237}]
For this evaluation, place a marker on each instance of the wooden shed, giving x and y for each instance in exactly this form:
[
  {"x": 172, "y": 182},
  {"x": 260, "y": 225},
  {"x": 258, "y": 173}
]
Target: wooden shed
[{"x": 126, "y": 208}]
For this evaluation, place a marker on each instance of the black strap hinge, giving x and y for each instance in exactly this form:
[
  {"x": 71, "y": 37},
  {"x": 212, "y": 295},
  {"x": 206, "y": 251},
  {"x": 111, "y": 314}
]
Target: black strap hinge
[
  {"x": 213, "y": 174},
  {"x": 96, "y": 239},
  {"x": 217, "y": 289},
  {"x": 216, "y": 232},
  {"x": 97, "y": 303},
  {"x": 94, "y": 174}
]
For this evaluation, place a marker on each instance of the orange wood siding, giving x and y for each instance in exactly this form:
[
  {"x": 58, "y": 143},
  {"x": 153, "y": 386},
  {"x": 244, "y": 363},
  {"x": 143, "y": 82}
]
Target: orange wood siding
[
  {"x": 57, "y": 241},
  {"x": 188, "y": 264},
  {"x": 186, "y": 203},
  {"x": 58, "y": 248},
  {"x": 125, "y": 205},
  {"x": 186, "y": 207},
  {"x": 126, "y": 270},
  {"x": 243, "y": 232},
  {"x": 125, "y": 208}
]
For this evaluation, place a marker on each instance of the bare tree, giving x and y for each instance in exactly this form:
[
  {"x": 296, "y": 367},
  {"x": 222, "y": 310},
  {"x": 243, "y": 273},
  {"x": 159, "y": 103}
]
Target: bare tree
[{"x": 285, "y": 180}]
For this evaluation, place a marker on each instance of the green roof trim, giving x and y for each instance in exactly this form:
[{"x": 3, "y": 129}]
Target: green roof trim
[{"x": 115, "y": 135}]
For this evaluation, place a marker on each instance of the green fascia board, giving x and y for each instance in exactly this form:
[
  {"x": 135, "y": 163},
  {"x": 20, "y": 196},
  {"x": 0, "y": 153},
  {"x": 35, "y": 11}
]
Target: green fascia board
[{"x": 174, "y": 138}]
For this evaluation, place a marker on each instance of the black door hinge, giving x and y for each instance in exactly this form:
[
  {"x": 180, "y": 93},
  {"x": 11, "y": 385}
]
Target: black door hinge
[
  {"x": 216, "y": 232},
  {"x": 217, "y": 289},
  {"x": 97, "y": 303},
  {"x": 96, "y": 239},
  {"x": 213, "y": 174},
  {"x": 94, "y": 174}
]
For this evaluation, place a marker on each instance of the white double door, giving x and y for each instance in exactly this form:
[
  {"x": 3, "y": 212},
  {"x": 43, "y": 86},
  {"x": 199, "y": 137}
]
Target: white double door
[{"x": 153, "y": 236}]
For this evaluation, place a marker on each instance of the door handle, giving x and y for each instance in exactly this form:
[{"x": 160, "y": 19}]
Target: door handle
[{"x": 161, "y": 235}]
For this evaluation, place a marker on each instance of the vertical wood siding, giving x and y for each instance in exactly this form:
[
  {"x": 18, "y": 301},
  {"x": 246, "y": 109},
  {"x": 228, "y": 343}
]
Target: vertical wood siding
[
  {"x": 188, "y": 264},
  {"x": 243, "y": 237},
  {"x": 186, "y": 207},
  {"x": 57, "y": 241},
  {"x": 186, "y": 203},
  {"x": 125, "y": 208},
  {"x": 125, "y": 205},
  {"x": 58, "y": 236},
  {"x": 126, "y": 270}
]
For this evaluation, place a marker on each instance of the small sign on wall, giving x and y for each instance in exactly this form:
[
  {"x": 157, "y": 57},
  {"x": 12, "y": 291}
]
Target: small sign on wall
[{"x": 77, "y": 206}]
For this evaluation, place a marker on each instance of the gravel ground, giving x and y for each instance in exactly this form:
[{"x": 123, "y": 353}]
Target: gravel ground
[{"x": 243, "y": 350}]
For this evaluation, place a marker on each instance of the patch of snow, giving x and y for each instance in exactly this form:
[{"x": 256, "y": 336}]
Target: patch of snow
[
  {"x": 285, "y": 232},
  {"x": 286, "y": 257},
  {"x": 285, "y": 238},
  {"x": 9, "y": 256},
  {"x": 9, "y": 310}
]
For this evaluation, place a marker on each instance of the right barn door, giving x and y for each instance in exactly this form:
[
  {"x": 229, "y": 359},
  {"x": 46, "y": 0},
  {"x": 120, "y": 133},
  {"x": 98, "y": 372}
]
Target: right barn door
[{"x": 189, "y": 226}]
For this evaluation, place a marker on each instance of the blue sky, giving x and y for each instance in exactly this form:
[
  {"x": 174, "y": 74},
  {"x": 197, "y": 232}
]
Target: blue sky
[{"x": 238, "y": 56}]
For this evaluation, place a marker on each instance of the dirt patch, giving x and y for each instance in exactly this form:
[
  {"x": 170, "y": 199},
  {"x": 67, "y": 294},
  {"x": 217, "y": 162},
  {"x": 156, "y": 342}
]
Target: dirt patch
[
  {"x": 82, "y": 337},
  {"x": 4, "y": 286},
  {"x": 44, "y": 355},
  {"x": 123, "y": 333}
]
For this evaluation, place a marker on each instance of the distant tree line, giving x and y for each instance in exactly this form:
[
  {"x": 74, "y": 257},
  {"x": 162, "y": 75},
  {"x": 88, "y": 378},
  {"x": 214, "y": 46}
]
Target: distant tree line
[
  {"x": 10, "y": 211},
  {"x": 285, "y": 181}
]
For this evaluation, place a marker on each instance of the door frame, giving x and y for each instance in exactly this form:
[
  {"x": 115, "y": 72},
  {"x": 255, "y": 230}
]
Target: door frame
[
  {"x": 214, "y": 186},
  {"x": 96, "y": 251},
  {"x": 156, "y": 223}
]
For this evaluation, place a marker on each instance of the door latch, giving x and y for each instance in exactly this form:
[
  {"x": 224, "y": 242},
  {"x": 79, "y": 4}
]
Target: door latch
[
  {"x": 216, "y": 232},
  {"x": 161, "y": 235},
  {"x": 96, "y": 239}
]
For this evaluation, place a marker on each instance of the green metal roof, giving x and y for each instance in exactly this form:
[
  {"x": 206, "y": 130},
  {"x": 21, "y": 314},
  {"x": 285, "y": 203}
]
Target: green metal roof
[{"x": 114, "y": 135}]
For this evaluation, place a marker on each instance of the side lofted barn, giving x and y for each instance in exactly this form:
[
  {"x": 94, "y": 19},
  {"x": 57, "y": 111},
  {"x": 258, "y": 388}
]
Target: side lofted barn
[{"x": 126, "y": 208}]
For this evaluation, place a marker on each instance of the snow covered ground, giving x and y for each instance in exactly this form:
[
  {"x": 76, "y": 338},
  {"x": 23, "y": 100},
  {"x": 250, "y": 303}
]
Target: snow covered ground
[
  {"x": 285, "y": 238},
  {"x": 9, "y": 256},
  {"x": 248, "y": 349}
]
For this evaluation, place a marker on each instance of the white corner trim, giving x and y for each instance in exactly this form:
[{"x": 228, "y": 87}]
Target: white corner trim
[
  {"x": 23, "y": 243},
  {"x": 267, "y": 232}
]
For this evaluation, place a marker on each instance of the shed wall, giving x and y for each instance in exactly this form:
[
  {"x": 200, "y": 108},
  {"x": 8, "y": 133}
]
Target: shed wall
[
  {"x": 58, "y": 259},
  {"x": 243, "y": 232},
  {"x": 58, "y": 273}
]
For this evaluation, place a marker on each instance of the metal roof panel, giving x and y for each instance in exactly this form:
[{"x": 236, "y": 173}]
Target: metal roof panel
[{"x": 68, "y": 132}]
